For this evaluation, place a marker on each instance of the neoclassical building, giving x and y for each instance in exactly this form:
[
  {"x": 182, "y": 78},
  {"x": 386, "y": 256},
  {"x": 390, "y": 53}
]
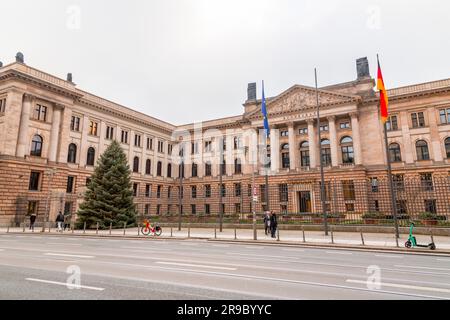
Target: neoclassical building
[{"x": 52, "y": 133}]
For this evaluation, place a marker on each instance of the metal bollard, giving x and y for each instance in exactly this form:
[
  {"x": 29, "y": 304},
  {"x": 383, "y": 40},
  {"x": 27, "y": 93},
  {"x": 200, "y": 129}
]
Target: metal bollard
[
  {"x": 396, "y": 241},
  {"x": 171, "y": 232},
  {"x": 49, "y": 227},
  {"x": 7, "y": 229},
  {"x": 235, "y": 234},
  {"x": 431, "y": 235},
  {"x": 303, "y": 231},
  {"x": 278, "y": 234},
  {"x": 189, "y": 231},
  {"x": 84, "y": 227},
  {"x": 332, "y": 235},
  {"x": 139, "y": 231},
  {"x": 96, "y": 232},
  {"x": 23, "y": 230},
  {"x": 215, "y": 232},
  {"x": 362, "y": 238},
  {"x": 110, "y": 227},
  {"x": 124, "y": 228},
  {"x": 73, "y": 228}
]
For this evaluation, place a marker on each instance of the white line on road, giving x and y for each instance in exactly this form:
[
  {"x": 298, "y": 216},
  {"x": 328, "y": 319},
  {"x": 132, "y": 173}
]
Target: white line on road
[
  {"x": 65, "y": 284},
  {"x": 221, "y": 245},
  {"x": 293, "y": 250},
  {"x": 403, "y": 286},
  {"x": 261, "y": 255},
  {"x": 445, "y": 260},
  {"x": 189, "y": 244},
  {"x": 63, "y": 244},
  {"x": 426, "y": 268},
  {"x": 254, "y": 247},
  {"x": 337, "y": 252},
  {"x": 388, "y": 256},
  {"x": 68, "y": 255},
  {"x": 194, "y": 265}
]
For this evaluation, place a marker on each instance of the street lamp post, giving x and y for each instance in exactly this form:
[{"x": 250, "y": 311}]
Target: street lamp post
[{"x": 50, "y": 174}]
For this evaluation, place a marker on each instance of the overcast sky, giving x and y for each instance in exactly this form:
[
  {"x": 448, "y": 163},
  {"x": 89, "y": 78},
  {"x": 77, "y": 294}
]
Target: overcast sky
[{"x": 185, "y": 61}]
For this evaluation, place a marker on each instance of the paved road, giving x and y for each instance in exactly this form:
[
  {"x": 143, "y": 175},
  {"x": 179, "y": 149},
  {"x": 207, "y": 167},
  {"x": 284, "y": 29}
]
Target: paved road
[{"x": 39, "y": 266}]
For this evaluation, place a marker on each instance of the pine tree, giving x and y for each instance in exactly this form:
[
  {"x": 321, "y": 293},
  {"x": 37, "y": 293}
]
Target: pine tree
[{"x": 109, "y": 195}]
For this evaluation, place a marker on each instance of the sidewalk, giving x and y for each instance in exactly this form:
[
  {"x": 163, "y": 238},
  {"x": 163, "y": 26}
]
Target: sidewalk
[{"x": 290, "y": 237}]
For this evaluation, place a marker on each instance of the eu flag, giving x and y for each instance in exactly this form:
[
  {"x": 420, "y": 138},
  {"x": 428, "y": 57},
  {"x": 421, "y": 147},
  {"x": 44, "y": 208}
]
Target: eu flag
[{"x": 264, "y": 112}]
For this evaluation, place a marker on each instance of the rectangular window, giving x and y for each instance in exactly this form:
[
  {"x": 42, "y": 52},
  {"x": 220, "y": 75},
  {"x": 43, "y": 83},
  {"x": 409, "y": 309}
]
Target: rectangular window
[
  {"x": 284, "y": 133},
  {"x": 348, "y": 187},
  {"x": 237, "y": 190},
  {"x": 147, "y": 209},
  {"x": 208, "y": 145},
  {"x": 32, "y": 207},
  {"x": 75, "y": 123},
  {"x": 93, "y": 128},
  {"x": 223, "y": 190},
  {"x": 161, "y": 146},
  {"x": 392, "y": 123},
  {"x": 169, "y": 192},
  {"x": 194, "y": 192},
  {"x": 444, "y": 115},
  {"x": 402, "y": 207},
  {"x": 427, "y": 181},
  {"x": 399, "y": 183},
  {"x": 350, "y": 207},
  {"x": 70, "y": 183},
  {"x": 376, "y": 205},
  {"x": 135, "y": 189},
  {"x": 374, "y": 184},
  {"x": 193, "y": 209},
  {"x": 249, "y": 190},
  {"x": 283, "y": 209},
  {"x": 158, "y": 209},
  {"x": 324, "y": 128},
  {"x": 207, "y": 208},
  {"x": 237, "y": 208},
  {"x": 137, "y": 140},
  {"x": 194, "y": 148},
  {"x": 262, "y": 192},
  {"x": 283, "y": 192},
  {"x": 169, "y": 149},
  {"x": 149, "y": 144},
  {"x": 208, "y": 191},
  {"x": 345, "y": 125},
  {"x": 303, "y": 131},
  {"x": 109, "y": 133},
  {"x": 40, "y": 113},
  {"x": 124, "y": 137},
  {"x": 148, "y": 188},
  {"x": 158, "y": 192},
  {"x": 2, "y": 105},
  {"x": 418, "y": 120},
  {"x": 430, "y": 206},
  {"x": 35, "y": 178}
]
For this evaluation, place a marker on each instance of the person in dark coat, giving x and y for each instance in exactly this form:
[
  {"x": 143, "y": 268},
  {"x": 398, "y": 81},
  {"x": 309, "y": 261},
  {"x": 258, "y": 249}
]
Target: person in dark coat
[
  {"x": 267, "y": 223},
  {"x": 67, "y": 220},
  {"x": 60, "y": 221},
  {"x": 273, "y": 224},
  {"x": 32, "y": 221}
]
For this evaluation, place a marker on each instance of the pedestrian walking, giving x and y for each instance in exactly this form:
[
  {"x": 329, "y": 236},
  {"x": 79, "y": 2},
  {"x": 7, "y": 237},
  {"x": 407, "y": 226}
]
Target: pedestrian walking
[
  {"x": 67, "y": 220},
  {"x": 273, "y": 224},
  {"x": 267, "y": 222},
  {"x": 32, "y": 221},
  {"x": 60, "y": 221}
]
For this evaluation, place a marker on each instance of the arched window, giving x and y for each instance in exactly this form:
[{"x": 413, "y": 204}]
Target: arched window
[
  {"x": 136, "y": 164},
  {"x": 422, "y": 150},
  {"x": 194, "y": 170},
  {"x": 90, "y": 157},
  {"x": 447, "y": 147},
  {"x": 148, "y": 166},
  {"x": 285, "y": 162},
  {"x": 348, "y": 155},
  {"x": 237, "y": 166},
  {"x": 36, "y": 146},
  {"x": 159, "y": 169},
  {"x": 208, "y": 169},
  {"x": 72, "y": 153},
  {"x": 395, "y": 152},
  {"x": 169, "y": 171},
  {"x": 304, "y": 154},
  {"x": 326, "y": 152}
]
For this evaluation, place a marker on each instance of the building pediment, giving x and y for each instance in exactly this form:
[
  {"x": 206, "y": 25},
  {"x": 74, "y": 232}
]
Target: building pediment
[{"x": 302, "y": 99}]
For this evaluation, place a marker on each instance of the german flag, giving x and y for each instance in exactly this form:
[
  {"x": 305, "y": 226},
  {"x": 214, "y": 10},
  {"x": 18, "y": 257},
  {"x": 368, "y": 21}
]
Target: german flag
[{"x": 384, "y": 102}]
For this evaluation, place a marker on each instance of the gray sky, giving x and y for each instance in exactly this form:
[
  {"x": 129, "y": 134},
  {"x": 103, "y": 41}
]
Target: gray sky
[{"x": 186, "y": 61}]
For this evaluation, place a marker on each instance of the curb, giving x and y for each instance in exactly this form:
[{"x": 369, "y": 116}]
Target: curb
[{"x": 400, "y": 250}]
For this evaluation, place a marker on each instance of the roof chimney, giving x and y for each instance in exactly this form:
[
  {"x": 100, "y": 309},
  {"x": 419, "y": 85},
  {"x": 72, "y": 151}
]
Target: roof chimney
[
  {"x": 69, "y": 77},
  {"x": 251, "y": 91},
  {"x": 362, "y": 68},
  {"x": 1, "y": 64},
  {"x": 20, "y": 58}
]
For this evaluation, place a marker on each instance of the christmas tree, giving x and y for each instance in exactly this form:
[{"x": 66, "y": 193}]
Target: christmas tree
[{"x": 109, "y": 195}]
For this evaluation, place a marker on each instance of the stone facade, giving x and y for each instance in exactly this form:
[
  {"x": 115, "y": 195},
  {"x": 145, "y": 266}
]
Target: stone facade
[{"x": 61, "y": 116}]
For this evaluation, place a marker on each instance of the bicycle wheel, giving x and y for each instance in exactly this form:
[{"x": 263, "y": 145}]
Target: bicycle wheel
[
  {"x": 158, "y": 231},
  {"x": 145, "y": 231}
]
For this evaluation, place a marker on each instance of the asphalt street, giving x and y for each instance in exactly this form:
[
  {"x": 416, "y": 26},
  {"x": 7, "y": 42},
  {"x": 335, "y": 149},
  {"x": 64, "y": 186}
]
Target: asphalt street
[{"x": 66, "y": 267}]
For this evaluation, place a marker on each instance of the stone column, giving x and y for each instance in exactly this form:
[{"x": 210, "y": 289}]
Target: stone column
[
  {"x": 143, "y": 153},
  {"x": 333, "y": 140},
  {"x": 436, "y": 143},
  {"x": 155, "y": 156},
  {"x": 356, "y": 138},
  {"x": 54, "y": 134},
  {"x": 24, "y": 125},
  {"x": 312, "y": 144},
  {"x": 274, "y": 150},
  {"x": 292, "y": 147}
]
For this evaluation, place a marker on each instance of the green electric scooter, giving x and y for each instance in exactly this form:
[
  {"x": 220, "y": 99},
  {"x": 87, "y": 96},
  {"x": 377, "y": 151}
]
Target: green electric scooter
[{"x": 413, "y": 243}]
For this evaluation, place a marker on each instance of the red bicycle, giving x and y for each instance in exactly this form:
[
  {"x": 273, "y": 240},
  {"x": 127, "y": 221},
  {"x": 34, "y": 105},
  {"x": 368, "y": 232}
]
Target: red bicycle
[{"x": 148, "y": 229}]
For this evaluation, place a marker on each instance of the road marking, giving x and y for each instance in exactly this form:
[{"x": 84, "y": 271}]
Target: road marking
[
  {"x": 254, "y": 247},
  {"x": 64, "y": 244},
  {"x": 221, "y": 245},
  {"x": 260, "y": 255},
  {"x": 388, "y": 256},
  {"x": 195, "y": 265},
  {"x": 403, "y": 286},
  {"x": 189, "y": 244},
  {"x": 293, "y": 250},
  {"x": 68, "y": 285},
  {"x": 445, "y": 260},
  {"x": 337, "y": 252},
  {"x": 67, "y": 255},
  {"x": 426, "y": 268}
]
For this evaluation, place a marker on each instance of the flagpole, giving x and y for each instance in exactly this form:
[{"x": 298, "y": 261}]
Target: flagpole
[
  {"x": 389, "y": 168},
  {"x": 266, "y": 169},
  {"x": 322, "y": 178}
]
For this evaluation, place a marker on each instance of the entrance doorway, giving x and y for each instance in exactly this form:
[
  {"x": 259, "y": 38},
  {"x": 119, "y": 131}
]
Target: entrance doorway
[{"x": 304, "y": 201}]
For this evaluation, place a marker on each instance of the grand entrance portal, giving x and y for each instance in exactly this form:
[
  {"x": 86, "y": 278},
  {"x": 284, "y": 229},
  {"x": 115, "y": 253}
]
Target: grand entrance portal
[{"x": 304, "y": 202}]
